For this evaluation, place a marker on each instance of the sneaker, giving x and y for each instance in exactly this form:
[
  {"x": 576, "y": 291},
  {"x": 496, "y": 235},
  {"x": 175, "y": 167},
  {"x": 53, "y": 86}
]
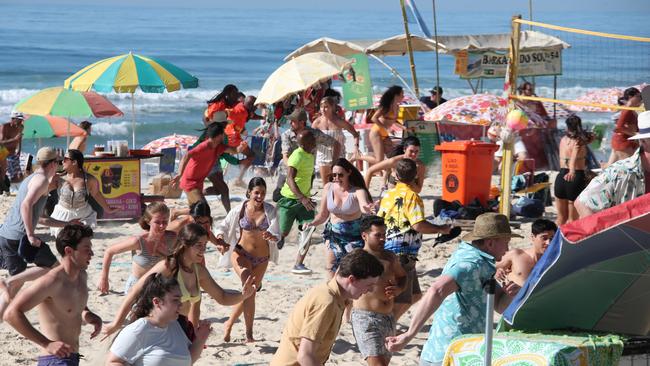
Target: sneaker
[
  {"x": 453, "y": 233},
  {"x": 300, "y": 269},
  {"x": 305, "y": 237},
  {"x": 280, "y": 243}
]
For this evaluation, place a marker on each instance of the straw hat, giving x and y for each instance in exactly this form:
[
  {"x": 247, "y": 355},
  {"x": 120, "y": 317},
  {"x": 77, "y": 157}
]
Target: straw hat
[
  {"x": 490, "y": 226},
  {"x": 644, "y": 126}
]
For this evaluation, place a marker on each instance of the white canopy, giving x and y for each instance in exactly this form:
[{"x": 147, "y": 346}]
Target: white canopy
[
  {"x": 393, "y": 46},
  {"x": 396, "y": 45}
]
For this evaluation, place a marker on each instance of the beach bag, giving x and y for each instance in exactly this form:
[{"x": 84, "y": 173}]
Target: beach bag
[{"x": 528, "y": 207}]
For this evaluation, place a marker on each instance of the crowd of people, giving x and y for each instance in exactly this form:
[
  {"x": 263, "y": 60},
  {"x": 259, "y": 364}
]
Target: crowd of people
[{"x": 372, "y": 244}]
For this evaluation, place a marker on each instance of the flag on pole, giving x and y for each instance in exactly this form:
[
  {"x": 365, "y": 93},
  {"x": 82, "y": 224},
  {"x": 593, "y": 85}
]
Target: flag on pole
[{"x": 413, "y": 16}]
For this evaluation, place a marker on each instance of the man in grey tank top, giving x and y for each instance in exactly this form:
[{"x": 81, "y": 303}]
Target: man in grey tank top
[{"x": 21, "y": 221}]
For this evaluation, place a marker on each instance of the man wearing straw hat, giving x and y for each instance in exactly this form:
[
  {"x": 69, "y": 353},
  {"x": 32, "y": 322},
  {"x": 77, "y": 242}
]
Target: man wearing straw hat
[
  {"x": 457, "y": 296},
  {"x": 622, "y": 181}
]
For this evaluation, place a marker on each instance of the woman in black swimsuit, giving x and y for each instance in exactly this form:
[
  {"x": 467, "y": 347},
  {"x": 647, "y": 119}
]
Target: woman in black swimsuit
[{"x": 571, "y": 179}]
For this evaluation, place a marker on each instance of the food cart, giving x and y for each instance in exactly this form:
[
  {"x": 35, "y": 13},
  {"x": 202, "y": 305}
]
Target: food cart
[{"x": 119, "y": 182}]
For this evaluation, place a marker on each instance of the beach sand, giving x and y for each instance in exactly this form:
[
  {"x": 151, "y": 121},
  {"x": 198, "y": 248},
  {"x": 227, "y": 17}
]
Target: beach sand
[{"x": 281, "y": 290}]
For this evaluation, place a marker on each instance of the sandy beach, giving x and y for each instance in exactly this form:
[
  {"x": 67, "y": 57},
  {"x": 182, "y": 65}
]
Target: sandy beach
[{"x": 281, "y": 290}]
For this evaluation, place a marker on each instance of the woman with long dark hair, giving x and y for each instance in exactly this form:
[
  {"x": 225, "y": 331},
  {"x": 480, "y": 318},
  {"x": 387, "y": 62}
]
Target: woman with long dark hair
[
  {"x": 384, "y": 118},
  {"x": 186, "y": 265},
  {"x": 571, "y": 179},
  {"x": 156, "y": 335},
  {"x": 75, "y": 189},
  {"x": 227, "y": 98},
  {"x": 627, "y": 126},
  {"x": 343, "y": 202},
  {"x": 252, "y": 231}
]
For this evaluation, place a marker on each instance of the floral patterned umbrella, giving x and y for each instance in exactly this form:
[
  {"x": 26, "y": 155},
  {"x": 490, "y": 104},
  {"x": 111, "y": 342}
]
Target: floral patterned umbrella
[
  {"x": 478, "y": 109},
  {"x": 178, "y": 141},
  {"x": 607, "y": 96}
]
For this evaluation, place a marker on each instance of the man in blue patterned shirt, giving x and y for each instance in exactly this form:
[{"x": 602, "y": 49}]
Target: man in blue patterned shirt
[
  {"x": 622, "y": 181},
  {"x": 457, "y": 296}
]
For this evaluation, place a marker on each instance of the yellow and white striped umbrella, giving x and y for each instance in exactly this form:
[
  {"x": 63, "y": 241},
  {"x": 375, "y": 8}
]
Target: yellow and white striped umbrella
[{"x": 300, "y": 73}]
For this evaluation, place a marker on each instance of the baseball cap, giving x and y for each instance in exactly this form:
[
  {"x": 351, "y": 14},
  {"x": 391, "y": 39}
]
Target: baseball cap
[
  {"x": 17, "y": 115},
  {"x": 46, "y": 154},
  {"x": 298, "y": 115},
  {"x": 436, "y": 90}
]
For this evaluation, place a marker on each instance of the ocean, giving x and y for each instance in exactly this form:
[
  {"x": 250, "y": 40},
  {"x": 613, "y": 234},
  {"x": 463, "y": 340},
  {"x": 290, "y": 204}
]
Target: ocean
[{"x": 41, "y": 45}]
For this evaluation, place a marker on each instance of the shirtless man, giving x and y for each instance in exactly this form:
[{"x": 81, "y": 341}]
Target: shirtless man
[
  {"x": 61, "y": 296},
  {"x": 372, "y": 314},
  {"x": 517, "y": 264},
  {"x": 11, "y": 136}
]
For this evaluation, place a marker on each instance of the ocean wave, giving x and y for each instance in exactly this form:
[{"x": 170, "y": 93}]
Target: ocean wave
[{"x": 193, "y": 100}]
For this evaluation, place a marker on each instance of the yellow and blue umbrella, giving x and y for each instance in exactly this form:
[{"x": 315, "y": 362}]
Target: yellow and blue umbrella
[{"x": 126, "y": 73}]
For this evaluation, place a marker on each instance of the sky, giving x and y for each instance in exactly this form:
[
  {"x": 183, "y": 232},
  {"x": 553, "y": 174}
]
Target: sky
[{"x": 511, "y": 6}]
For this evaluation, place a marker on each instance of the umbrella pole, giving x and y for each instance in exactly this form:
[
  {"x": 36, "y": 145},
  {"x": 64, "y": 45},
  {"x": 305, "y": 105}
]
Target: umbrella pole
[
  {"x": 133, "y": 118},
  {"x": 489, "y": 319},
  {"x": 67, "y": 135}
]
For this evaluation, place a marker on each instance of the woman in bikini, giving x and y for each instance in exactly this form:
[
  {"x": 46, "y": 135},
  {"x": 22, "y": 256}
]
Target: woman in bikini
[
  {"x": 409, "y": 148},
  {"x": 185, "y": 264},
  {"x": 384, "y": 118},
  {"x": 74, "y": 190},
  {"x": 253, "y": 229},
  {"x": 343, "y": 201},
  {"x": 199, "y": 213},
  {"x": 333, "y": 125},
  {"x": 571, "y": 179},
  {"x": 150, "y": 247}
]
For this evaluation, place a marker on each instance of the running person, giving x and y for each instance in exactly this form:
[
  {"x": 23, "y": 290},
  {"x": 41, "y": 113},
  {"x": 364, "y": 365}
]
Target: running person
[
  {"x": 252, "y": 231},
  {"x": 343, "y": 201}
]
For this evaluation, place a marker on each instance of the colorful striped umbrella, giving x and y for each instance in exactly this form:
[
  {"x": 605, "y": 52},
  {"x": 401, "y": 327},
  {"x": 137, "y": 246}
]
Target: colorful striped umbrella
[
  {"x": 126, "y": 73},
  {"x": 49, "y": 126},
  {"x": 594, "y": 276},
  {"x": 607, "y": 96},
  {"x": 477, "y": 109},
  {"x": 178, "y": 141},
  {"x": 62, "y": 102}
]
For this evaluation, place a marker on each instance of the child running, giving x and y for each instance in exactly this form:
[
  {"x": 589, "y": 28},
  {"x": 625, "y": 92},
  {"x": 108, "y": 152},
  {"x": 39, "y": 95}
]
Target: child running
[{"x": 372, "y": 314}]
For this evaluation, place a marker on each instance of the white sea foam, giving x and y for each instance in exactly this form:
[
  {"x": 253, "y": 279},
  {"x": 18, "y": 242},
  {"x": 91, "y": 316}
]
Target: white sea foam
[{"x": 111, "y": 128}]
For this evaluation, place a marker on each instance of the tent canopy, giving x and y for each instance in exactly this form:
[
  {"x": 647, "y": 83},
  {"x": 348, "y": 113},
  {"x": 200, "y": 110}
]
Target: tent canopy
[
  {"x": 396, "y": 45},
  {"x": 392, "y": 46}
]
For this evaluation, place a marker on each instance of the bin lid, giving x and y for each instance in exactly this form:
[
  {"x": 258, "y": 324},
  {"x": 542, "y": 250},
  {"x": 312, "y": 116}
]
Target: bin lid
[{"x": 467, "y": 145}]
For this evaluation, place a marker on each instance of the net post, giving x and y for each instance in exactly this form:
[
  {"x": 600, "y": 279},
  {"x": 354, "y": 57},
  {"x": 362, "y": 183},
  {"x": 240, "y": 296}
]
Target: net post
[{"x": 508, "y": 144}]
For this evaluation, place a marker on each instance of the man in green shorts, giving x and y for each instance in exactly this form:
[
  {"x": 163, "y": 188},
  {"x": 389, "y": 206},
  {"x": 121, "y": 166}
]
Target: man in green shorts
[{"x": 295, "y": 204}]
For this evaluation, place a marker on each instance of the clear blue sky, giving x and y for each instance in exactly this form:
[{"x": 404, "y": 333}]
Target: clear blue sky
[{"x": 511, "y": 6}]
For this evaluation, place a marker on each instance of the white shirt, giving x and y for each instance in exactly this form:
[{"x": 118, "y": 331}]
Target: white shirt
[
  {"x": 144, "y": 344},
  {"x": 518, "y": 147}
]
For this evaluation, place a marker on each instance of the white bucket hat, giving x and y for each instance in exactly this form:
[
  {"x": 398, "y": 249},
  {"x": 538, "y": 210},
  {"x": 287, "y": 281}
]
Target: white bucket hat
[{"x": 644, "y": 126}]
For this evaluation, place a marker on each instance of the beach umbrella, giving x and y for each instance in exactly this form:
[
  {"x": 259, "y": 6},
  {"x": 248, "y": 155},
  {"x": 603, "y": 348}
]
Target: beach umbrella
[
  {"x": 301, "y": 73},
  {"x": 177, "y": 141},
  {"x": 49, "y": 126},
  {"x": 607, "y": 96},
  {"x": 126, "y": 73},
  {"x": 477, "y": 109},
  {"x": 594, "y": 276},
  {"x": 61, "y": 102}
]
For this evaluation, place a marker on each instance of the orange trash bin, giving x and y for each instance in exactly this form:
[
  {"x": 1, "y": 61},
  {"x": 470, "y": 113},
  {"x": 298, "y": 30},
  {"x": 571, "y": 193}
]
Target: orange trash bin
[{"x": 466, "y": 170}]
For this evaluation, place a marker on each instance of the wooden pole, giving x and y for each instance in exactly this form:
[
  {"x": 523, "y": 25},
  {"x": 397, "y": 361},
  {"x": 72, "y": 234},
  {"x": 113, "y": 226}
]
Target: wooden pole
[
  {"x": 409, "y": 48},
  {"x": 511, "y": 83},
  {"x": 435, "y": 38}
]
